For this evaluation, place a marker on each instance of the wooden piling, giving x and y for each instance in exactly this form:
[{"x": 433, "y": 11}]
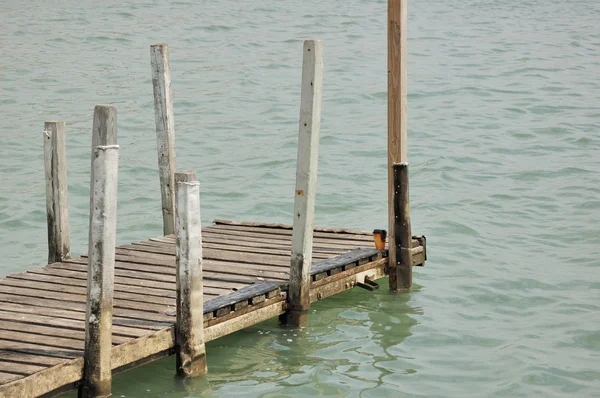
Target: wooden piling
[
  {"x": 401, "y": 273},
  {"x": 397, "y": 103},
  {"x": 101, "y": 267},
  {"x": 165, "y": 131},
  {"x": 306, "y": 182},
  {"x": 189, "y": 329},
  {"x": 104, "y": 130},
  {"x": 57, "y": 207}
]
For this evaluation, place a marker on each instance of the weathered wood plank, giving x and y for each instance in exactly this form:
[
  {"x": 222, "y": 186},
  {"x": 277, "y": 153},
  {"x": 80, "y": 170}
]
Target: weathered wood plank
[
  {"x": 245, "y": 293},
  {"x": 210, "y": 254},
  {"x": 44, "y": 381},
  {"x": 57, "y": 206},
  {"x": 336, "y": 284},
  {"x": 275, "y": 238},
  {"x": 270, "y": 241},
  {"x": 213, "y": 269},
  {"x": 50, "y": 341},
  {"x": 289, "y": 227},
  {"x": 126, "y": 278},
  {"x": 287, "y": 232},
  {"x": 126, "y": 311},
  {"x": 163, "y": 249},
  {"x": 75, "y": 321},
  {"x": 40, "y": 349},
  {"x": 8, "y": 377},
  {"x": 72, "y": 293},
  {"x": 42, "y": 331},
  {"x": 244, "y": 321},
  {"x": 347, "y": 258},
  {"x": 207, "y": 238},
  {"x": 165, "y": 131},
  {"x": 146, "y": 346},
  {"x": 28, "y": 359},
  {"x": 19, "y": 368},
  {"x": 150, "y": 288}
]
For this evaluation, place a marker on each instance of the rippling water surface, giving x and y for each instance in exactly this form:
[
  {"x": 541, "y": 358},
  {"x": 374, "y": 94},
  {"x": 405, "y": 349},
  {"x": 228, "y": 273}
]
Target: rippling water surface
[{"x": 504, "y": 141}]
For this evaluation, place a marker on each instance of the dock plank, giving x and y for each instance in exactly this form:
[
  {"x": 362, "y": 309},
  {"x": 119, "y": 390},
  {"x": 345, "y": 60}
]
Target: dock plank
[
  {"x": 27, "y": 359},
  {"x": 20, "y": 368}
]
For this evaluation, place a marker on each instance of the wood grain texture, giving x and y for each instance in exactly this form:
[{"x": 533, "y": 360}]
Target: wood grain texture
[
  {"x": 397, "y": 101},
  {"x": 165, "y": 131},
  {"x": 57, "y": 206}
]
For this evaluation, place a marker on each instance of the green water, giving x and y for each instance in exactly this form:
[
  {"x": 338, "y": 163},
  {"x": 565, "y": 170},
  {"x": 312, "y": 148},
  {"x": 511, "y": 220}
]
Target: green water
[{"x": 504, "y": 143}]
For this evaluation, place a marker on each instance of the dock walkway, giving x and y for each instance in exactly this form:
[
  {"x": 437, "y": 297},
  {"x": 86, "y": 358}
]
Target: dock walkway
[{"x": 245, "y": 278}]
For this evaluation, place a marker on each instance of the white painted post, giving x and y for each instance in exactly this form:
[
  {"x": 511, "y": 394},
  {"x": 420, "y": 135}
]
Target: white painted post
[
  {"x": 57, "y": 206},
  {"x": 101, "y": 267},
  {"x": 165, "y": 131},
  {"x": 189, "y": 330},
  {"x": 306, "y": 182}
]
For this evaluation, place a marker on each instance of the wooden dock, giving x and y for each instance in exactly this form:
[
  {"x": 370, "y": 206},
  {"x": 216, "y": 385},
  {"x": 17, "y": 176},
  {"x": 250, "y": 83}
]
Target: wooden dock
[
  {"x": 246, "y": 274},
  {"x": 76, "y": 321}
]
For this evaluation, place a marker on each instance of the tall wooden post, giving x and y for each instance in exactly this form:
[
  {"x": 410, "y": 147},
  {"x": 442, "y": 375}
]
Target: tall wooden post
[
  {"x": 57, "y": 206},
  {"x": 189, "y": 330},
  {"x": 101, "y": 257},
  {"x": 397, "y": 99},
  {"x": 165, "y": 131},
  {"x": 306, "y": 182},
  {"x": 402, "y": 230}
]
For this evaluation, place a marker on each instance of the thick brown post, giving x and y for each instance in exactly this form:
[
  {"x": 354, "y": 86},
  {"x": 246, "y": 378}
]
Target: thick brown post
[
  {"x": 97, "y": 378},
  {"x": 165, "y": 131},
  {"x": 402, "y": 271},
  {"x": 189, "y": 330},
  {"x": 397, "y": 100},
  {"x": 57, "y": 207},
  {"x": 306, "y": 182}
]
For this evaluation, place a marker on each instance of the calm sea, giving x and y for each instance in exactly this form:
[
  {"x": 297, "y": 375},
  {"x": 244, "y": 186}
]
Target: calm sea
[{"x": 504, "y": 145}]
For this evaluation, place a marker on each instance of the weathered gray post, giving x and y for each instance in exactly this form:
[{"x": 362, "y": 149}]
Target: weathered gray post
[
  {"x": 397, "y": 103},
  {"x": 189, "y": 330},
  {"x": 165, "y": 131},
  {"x": 306, "y": 182},
  {"x": 104, "y": 130},
  {"x": 57, "y": 206},
  {"x": 402, "y": 271},
  {"x": 101, "y": 258}
]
